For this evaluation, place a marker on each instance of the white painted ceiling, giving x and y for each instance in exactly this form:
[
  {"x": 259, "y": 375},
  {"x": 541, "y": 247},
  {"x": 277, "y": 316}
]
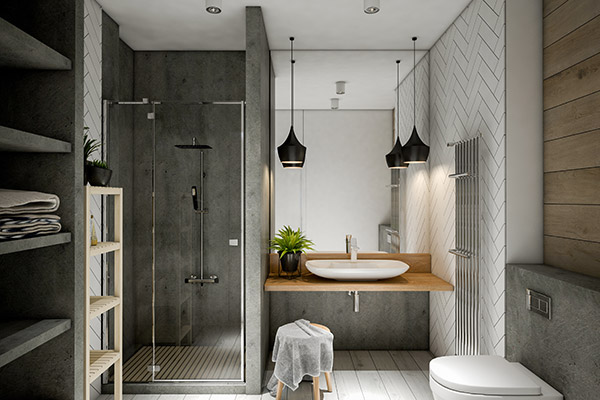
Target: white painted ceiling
[
  {"x": 316, "y": 24},
  {"x": 370, "y": 78}
]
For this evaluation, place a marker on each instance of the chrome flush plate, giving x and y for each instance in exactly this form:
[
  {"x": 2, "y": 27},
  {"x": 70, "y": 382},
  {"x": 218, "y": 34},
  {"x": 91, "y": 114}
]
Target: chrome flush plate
[{"x": 539, "y": 303}]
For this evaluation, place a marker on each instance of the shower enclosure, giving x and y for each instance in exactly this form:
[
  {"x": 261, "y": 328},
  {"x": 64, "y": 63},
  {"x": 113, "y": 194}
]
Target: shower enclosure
[{"x": 184, "y": 320}]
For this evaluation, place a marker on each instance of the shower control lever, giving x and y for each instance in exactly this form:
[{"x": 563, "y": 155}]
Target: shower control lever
[{"x": 195, "y": 279}]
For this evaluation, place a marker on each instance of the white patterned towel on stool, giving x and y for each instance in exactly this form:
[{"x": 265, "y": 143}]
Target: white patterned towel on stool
[{"x": 300, "y": 349}]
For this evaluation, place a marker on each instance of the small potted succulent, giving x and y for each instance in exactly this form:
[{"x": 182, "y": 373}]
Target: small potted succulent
[{"x": 290, "y": 244}]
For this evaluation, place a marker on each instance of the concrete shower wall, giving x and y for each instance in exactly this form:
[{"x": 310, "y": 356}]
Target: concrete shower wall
[
  {"x": 187, "y": 76},
  {"x": 259, "y": 136}
]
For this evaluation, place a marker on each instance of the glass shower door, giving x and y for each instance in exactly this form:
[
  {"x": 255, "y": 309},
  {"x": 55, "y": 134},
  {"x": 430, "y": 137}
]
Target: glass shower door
[{"x": 198, "y": 266}]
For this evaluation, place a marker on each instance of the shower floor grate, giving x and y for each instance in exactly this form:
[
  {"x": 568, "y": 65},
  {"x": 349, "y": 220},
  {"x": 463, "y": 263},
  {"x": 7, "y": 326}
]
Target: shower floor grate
[{"x": 184, "y": 363}]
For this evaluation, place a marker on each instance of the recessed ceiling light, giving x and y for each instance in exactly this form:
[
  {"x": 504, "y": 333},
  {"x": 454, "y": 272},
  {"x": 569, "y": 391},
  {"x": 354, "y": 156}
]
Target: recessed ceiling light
[
  {"x": 371, "y": 6},
  {"x": 213, "y": 6}
]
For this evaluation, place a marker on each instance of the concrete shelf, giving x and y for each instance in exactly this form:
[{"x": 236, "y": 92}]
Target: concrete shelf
[
  {"x": 20, "y": 337},
  {"x": 12, "y": 246},
  {"x": 20, "y": 50},
  {"x": 19, "y": 141}
]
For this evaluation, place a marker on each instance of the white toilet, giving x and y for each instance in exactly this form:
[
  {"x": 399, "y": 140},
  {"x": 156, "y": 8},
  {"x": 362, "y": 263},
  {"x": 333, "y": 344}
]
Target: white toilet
[{"x": 486, "y": 378}]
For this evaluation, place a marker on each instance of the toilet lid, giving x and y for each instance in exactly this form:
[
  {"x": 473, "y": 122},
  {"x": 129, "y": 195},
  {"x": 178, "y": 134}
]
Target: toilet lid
[{"x": 491, "y": 375}]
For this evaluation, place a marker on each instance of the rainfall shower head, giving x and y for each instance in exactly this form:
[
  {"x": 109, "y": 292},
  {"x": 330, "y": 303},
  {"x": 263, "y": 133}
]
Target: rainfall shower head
[{"x": 193, "y": 146}]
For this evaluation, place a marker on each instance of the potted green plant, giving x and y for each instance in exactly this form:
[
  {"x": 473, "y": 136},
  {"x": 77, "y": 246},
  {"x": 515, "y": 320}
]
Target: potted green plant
[
  {"x": 89, "y": 146},
  {"x": 98, "y": 173},
  {"x": 290, "y": 244}
]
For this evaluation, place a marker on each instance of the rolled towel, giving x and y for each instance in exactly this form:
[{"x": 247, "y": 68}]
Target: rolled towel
[{"x": 15, "y": 202}]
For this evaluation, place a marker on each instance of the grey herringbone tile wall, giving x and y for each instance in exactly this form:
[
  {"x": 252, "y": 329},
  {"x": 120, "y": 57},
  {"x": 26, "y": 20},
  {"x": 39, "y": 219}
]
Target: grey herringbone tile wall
[{"x": 467, "y": 91}]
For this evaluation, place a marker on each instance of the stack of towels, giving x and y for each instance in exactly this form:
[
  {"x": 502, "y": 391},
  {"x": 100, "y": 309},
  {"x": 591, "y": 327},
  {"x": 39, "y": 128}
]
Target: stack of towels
[{"x": 25, "y": 214}]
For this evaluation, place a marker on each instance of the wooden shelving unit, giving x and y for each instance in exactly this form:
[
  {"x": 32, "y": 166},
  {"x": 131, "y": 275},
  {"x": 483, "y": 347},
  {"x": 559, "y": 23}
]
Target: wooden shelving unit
[
  {"x": 20, "y": 141},
  {"x": 19, "y": 337},
  {"x": 99, "y": 361},
  {"x": 13, "y": 246},
  {"x": 20, "y": 50}
]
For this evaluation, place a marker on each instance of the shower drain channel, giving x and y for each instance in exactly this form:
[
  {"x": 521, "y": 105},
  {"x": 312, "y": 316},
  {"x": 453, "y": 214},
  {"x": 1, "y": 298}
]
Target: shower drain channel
[{"x": 153, "y": 368}]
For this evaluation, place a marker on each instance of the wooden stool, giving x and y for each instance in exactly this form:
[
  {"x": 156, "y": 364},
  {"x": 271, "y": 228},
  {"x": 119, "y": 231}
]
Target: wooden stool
[{"x": 316, "y": 391}]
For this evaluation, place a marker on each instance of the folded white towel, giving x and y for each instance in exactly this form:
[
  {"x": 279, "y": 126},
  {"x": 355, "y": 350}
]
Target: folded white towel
[{"x": 14, "y": 202}]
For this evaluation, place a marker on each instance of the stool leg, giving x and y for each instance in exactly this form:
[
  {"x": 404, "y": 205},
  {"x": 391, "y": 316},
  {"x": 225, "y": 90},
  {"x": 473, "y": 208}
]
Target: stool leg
[
  {"x": 279, "y": 390},
  {"x": 328, "y": 379},
  {"x": 316, "y": 393}
]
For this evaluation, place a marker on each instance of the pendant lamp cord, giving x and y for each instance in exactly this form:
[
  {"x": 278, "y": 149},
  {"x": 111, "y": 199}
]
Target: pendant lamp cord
[
  {"x": 398, "y": 99},
  {"x": 292, "y": 62},
  {"x": 415, "y": 81}
]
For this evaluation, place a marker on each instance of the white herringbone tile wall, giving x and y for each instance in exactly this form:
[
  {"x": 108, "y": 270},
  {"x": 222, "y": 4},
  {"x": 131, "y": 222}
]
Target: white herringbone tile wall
[
  {"x": 467, "y": 92},
  {"x": 92, "y": 118}
]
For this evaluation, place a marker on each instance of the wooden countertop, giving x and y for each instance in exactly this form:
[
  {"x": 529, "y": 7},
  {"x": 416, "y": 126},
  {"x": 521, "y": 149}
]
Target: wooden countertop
[{"x": 408, "y": 282}]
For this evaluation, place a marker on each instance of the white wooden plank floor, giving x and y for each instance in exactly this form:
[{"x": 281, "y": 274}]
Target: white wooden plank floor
[{"x": 357, "y": 375}]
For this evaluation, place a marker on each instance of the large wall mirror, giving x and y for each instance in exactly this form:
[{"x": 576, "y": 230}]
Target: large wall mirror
[{"x": 345, "y": 186}]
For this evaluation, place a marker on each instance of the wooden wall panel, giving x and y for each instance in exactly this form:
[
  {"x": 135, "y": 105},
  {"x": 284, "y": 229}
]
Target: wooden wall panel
[
  {"x": 577, "y": 81},
  {"x": 552, "y": 5},
  {"x": 573, "y": 48},
  {"x": 572, "y": 221},
  {"x": 573, "y": 152},
  {"x": 581, "y": 186},
  {"x": 581, "y": 115},
  {"x": 572, "y": 135},
  {"x": 568, "y": 17},
  {"x": 573, "y": 255}
]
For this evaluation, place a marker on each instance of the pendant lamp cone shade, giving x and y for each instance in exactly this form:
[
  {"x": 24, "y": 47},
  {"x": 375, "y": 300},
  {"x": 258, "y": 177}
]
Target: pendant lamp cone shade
[
  {"x": 395, "y": 158},
  {"x": 291, "y": 152},
  {"x": 415, "y": 151}
]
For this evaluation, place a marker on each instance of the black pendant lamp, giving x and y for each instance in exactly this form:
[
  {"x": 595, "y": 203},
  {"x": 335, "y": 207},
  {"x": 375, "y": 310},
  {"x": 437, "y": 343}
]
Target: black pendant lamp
[
  {"x": 395, "y": 158},
  {"x": 291, "y": 152},
  {"x": 415, "y": 151}
]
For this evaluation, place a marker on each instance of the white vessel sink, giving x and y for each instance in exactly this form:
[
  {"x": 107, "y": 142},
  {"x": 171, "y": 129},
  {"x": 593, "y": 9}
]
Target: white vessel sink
[{"x": 358, "y": 270}]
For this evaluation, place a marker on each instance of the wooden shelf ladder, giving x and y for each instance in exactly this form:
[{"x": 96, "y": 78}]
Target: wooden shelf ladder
[{"x": 99, "y": 361}]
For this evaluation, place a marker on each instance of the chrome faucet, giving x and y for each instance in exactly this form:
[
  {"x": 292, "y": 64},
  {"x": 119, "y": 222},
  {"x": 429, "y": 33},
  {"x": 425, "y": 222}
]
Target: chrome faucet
[
  {"x": 353, "y": 250},
  {"x": 348, "y": 242}
]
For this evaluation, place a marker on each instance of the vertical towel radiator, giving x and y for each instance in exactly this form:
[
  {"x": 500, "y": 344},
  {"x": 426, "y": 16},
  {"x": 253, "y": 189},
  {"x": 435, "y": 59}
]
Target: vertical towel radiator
[{"x": 467, "y": 247}]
